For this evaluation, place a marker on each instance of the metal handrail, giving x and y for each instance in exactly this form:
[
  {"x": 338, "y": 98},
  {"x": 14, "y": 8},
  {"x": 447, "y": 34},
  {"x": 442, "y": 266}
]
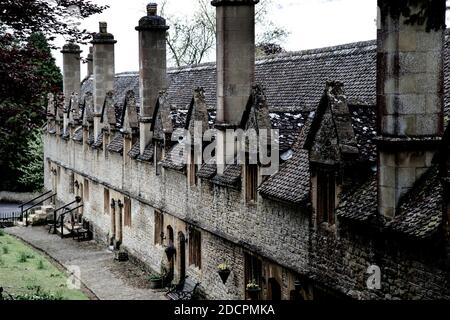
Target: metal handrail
[
  {"x": 62, "y": 215},
  {"x": 32, "y": 200},
  {"x": 77, "y": 200},
  {"x": 22, "y": 212}
]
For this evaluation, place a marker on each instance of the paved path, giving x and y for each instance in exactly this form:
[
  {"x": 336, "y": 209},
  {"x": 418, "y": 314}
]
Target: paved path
[{"x": 106, "y": 278}]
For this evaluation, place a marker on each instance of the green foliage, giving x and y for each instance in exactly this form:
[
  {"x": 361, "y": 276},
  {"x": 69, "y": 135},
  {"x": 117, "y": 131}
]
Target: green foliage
[
  {"x": 41, "y": 265},
  {"x": 49, "y": 17},
  {"x": 31, "y": 163},
  {"x": 5, "y": 250},
  {"x": 27, "y": 281},
  {"x": 22, "y": 257},
  {"x": 38, "y": 295},
  {"x": 47, "y": 70},
  {"x": 30, "y": 74},
  {"x": 2, "y": 233}
]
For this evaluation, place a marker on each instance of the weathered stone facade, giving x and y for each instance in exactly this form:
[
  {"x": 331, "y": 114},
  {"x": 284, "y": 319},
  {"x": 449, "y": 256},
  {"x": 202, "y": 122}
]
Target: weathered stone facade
[{"x": 290, "y": 242}]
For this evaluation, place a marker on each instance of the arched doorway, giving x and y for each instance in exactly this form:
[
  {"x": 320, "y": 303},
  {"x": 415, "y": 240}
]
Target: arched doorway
[
  {"x": 182, "y": 256},
  {"x": 274, "y": 292}
]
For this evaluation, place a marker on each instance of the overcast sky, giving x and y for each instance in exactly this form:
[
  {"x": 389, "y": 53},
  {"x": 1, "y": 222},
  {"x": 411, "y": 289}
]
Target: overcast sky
[{"x": 311, "y": 23}]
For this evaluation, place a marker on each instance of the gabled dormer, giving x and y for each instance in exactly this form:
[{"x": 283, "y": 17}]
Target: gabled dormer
[
  {"x": 332, "y": 148},
  {"x": 161, "y": 132},
  {"x": 74, "y": 112},
  {"x": 87, "y": 117},
  {"x": 255, "y": 119},
  {"x": 197, "y": 123},
  {"x": 51, "y": 113},
  {"x": 108, "y": 119},
  {"x": 129, "y": 123}
]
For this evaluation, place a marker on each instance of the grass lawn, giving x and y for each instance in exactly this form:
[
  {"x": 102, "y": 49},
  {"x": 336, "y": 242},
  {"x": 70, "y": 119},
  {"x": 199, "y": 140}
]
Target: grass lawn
[{"x": 23, "y": 270}]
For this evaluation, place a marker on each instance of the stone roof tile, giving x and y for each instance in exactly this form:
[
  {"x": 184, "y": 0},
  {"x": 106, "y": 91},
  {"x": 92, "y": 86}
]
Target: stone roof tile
[{"x": 116, "y": 144}]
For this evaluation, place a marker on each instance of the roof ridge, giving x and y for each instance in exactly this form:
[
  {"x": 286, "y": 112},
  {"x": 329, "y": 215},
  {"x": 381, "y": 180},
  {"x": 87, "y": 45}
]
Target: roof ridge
[{"x": 368, "y": 44}]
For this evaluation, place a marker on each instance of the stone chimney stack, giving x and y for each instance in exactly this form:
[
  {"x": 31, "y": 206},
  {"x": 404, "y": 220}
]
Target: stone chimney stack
[
  {"x": 103, "y": 55},
  {"x": 152, "y": 68},
  {"x": 235, "y": 67},
  {"x": 90, "y": 62},
  {"x": 409, "y": 98},
  {"x": 71, "y": 76}
]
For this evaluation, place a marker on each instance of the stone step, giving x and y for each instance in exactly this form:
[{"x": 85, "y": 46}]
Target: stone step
[{"x": 66, "y": 232}]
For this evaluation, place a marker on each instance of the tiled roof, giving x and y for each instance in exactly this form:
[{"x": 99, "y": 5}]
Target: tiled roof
[
  {"x": 231, "y": 177},
  {"x": 148, "y": 153},
  {"x": 78, "y": 135},
  {"x": 66, "y": 135},
  {"x": 291, "y": 182},
  {"x": 293, "y": 81},
  {"x": 360, "y": 202},
  {"x": 91, "y": 139},
  {"x": 175, "y": 158},
  {"x": 288, "y": 124},
  {"x": 420, "y": 215},
  {"x": 207, "y": 170},
  {"x": 364, "y": 126},
  {"x": 99, "y": 143},
  {"x": 116, "y": 144},
  {"x": 135, "y": 150}
]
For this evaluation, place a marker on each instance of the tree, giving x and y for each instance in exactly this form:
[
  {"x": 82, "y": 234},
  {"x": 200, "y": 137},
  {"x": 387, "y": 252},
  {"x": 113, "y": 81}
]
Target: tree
[
  {"x": 27, "y": 73},
  {"x": 191, "y": 40},
  {"x": 51, "y": 18},
  {"x": 31, "y": 163}
]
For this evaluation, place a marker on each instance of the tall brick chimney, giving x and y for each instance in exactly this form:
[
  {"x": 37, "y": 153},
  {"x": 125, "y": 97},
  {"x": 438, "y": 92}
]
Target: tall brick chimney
[
  {"x": 90, "y": 62},
  {"x": 152, "y": 68},
  {"x": 103, "y": 43},
  {"x": 235, "y": 67},
  {"x": 409, "y": 99},
  {"x": 71, "y": 77}
]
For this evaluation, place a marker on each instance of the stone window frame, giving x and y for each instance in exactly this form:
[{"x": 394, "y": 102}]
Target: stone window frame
[
  {"x": 86, "y": 190},
  {"x": 251, "y": 183},
  {"x": 253, "y": 270},
  {"x": 195, "y": 248},
  {"x": 127, "y": 212},
  {"x": 72, "y": 182},
  {"x": 326, "y": 196},
  {"x": 158, "y": 228},
  {"x": 106, "y": 201},
  {"x": 192, "y": 171}
]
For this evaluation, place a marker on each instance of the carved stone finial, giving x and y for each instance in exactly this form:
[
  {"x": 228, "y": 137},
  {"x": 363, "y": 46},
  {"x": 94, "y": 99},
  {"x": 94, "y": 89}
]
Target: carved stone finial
[
  {"x": 152, "y": 9},
  {"x": 103, "y": 27}
]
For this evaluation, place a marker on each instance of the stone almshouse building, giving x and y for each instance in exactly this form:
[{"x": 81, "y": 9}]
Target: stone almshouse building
[{"x": 364, "y": 152}]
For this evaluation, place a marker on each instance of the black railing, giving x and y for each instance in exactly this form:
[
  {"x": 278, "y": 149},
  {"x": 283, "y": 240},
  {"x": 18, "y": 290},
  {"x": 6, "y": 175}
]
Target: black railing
[
  {"x": 55, "y": 218},
  {"x": 10, "y": 216},
  {"x": 35, "y": 204},
  {"x": 61, "y": 218}
]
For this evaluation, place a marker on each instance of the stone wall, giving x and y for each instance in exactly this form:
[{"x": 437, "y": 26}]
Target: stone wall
[{"x": 280, "y": 235}]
